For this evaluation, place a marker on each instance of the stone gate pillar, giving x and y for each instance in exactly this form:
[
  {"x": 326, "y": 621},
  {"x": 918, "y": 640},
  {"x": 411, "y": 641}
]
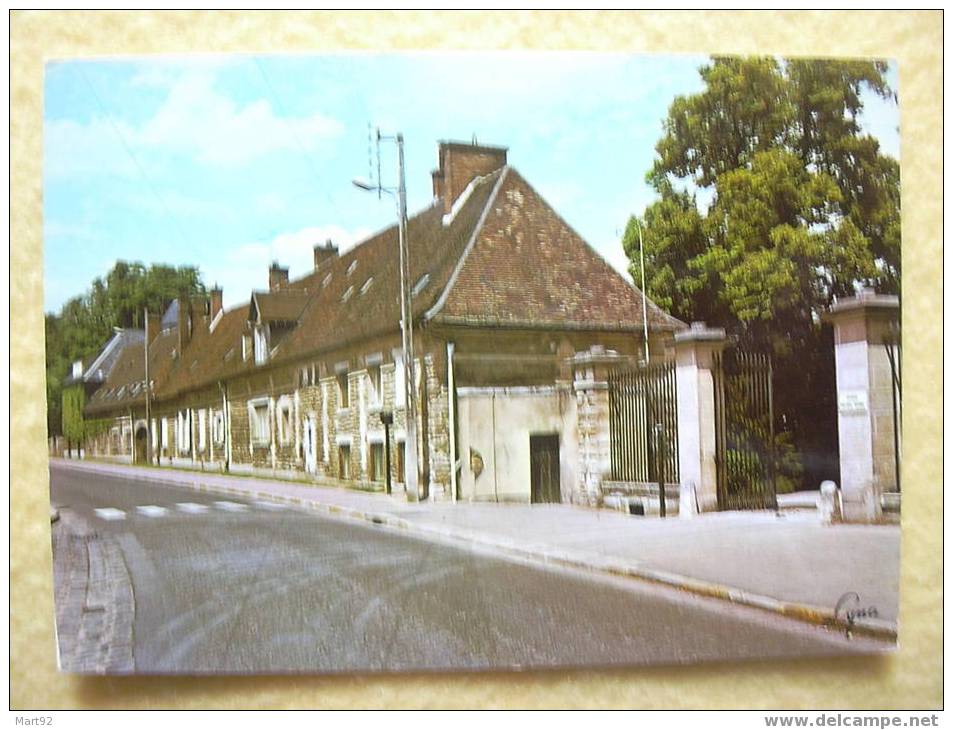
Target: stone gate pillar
[
  {"x": 865, "y": 401},
  {"x": 694, "y": 353},
  {"x": 591, "y": 387}
]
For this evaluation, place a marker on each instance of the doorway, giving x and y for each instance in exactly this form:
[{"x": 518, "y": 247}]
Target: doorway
[
  {"x": 544, "y": 468},
  {"x": 140, "y": 456}
]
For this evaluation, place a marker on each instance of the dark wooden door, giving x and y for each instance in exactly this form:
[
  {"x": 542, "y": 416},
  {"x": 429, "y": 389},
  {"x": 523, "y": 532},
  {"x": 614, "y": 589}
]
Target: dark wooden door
[
  {"x": 141, "y": 438},
  {"x": 544, "y": 468}
]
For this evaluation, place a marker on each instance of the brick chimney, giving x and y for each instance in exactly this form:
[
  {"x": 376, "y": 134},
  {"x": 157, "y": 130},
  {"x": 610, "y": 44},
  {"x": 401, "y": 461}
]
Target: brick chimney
[
  {"x": 277, "y": 276},
  {"x": 459, "y": 164},
  {"x": 323, "y": 253},
  {"x": 215, "y": 298}
]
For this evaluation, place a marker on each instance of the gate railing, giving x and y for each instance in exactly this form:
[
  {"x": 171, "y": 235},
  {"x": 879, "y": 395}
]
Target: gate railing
[
  {"x": 894, "y": 357},
  {"x": 744, "y": 430},
  {"x": 643, "y": 424}
]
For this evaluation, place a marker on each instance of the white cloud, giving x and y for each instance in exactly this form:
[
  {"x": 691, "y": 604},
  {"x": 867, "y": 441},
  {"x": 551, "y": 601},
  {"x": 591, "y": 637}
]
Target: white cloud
[
  {"x": 200, "y": 121},
  {"x": 195, "y": 119},
  {"x": 245, "y": 268}
]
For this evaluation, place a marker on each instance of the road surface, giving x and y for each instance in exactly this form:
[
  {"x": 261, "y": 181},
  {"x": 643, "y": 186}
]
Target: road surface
[{"x": 229, "y": 585}]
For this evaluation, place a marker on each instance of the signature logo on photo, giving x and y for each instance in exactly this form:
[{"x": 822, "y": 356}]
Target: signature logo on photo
[{"x": 848, "y": 607}]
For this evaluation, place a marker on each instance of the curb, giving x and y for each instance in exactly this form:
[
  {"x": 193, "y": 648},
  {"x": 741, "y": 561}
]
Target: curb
[{"x": 873, "y": 628}]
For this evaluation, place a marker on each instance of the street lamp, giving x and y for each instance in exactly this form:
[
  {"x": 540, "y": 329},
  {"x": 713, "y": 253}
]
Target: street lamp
[
  {"x": 406, "y": 323},
  {"x": 387, "y": 419}
]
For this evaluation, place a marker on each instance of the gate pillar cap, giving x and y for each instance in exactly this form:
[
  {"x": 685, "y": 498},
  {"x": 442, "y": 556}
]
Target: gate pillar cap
[
  {"x": 700, "y": 332},
  {"x": 867, "y": 299}
]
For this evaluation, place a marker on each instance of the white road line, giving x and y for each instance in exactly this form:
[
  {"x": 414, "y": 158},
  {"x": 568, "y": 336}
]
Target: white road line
[
  {"x": 110, "y": 514},
  {"x": 232, "y": 506},
  {"x": 265, "y": 504},
  {"x": 191, "y": 508},
  {"x": 151, "y": 510}
]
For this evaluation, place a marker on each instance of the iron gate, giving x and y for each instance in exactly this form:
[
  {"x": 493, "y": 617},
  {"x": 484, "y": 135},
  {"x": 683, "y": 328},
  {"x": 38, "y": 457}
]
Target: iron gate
[
  {"x": 643, "y": 424},
  {"x": 744, "y": 430},
  {"x": 892, "y": 346}
]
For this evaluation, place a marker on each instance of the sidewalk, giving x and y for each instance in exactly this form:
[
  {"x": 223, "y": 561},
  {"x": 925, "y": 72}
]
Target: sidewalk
[{"x": 791, "y": 564}]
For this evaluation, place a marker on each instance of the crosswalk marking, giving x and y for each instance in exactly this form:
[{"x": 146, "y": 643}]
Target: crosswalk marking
[
  {"x": 191, "y": 507},
  {"x": 273, "y": 506},
  {"x": 231, "y": 506},
  {"x": 110, "y": 514},
  {"x": 151, "y": 510}
]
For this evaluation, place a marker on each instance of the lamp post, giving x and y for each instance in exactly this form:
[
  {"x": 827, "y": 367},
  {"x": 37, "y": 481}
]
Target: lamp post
[
  {"x": 406, "y": 318},
  {"x": 387, "y": 418}
]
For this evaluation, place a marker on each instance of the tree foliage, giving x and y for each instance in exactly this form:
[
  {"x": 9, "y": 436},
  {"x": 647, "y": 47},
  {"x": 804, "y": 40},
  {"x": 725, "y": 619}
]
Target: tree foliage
[
  {"x": 85, "y": 323},
  {"x": 772, "y": 201}
]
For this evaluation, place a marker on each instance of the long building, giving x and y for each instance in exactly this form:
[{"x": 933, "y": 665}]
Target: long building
[{"x": 512, "y": 313}]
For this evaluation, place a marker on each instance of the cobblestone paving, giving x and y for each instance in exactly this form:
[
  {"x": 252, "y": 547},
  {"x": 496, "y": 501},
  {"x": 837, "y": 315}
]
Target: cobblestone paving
[{"x": 95, "y": 605}]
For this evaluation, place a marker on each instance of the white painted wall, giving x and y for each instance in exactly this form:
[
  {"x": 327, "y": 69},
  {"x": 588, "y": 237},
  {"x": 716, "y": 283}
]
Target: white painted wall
[{"x": 497, "y": 423}]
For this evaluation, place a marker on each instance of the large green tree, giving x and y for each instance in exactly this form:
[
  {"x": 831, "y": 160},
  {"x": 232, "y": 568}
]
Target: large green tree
[
  {"x": 772, "y": 201},
  {"x": 85, "y": 323}
]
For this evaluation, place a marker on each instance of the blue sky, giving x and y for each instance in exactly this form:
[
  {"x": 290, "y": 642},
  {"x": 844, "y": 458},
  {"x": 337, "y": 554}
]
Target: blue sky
[{"x": 230, "y": 162}]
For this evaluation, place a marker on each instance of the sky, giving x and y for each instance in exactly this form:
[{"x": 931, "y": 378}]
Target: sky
[{"x": 228, "y": 163}]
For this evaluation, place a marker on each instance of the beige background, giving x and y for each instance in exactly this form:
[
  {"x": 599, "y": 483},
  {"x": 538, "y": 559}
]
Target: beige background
[{"x": 911, "y": 678}]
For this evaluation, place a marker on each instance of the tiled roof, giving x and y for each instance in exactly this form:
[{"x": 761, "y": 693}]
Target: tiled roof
[
  {"x": 209, "y": 356},
  {"x": 97, "y": 369},
  {"x": 125, "y": 385},
  {"x": 529, "y": 268},
  {"x": 503, "y": 258},
  {"x": 358, "y": 294}
]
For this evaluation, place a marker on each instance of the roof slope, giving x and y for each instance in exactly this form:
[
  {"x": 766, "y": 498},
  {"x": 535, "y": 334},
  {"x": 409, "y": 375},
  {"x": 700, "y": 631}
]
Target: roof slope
[
  {"x": 125, "y": 385},
  {"x": 529, "y": 268},
  {"x": 99, "y": 368},
  {"x": 210, "y": 355},
  {"x": 357, "y": 294},
  {"x": 281, "y": 306}
]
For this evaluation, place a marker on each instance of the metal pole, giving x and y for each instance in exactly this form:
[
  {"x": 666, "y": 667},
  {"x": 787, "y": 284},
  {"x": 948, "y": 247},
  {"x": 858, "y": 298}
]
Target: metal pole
[
  {"x": 149, "y": 454},
  {"x": 411, "y": 474},
  {"x": 387, "y": 457},
  {"x": 645, "y": 316}
]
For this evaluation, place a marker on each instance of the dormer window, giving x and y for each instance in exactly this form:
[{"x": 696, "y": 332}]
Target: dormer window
[
  {"x": 350, "y": 269},
  {"x": 347, "y": 294},
  {"x": 367, "y": 285},
  {"x": 261, "y": 345},
  {"x": 327, "y": 280},
  {"x": 421, "y": 283}
]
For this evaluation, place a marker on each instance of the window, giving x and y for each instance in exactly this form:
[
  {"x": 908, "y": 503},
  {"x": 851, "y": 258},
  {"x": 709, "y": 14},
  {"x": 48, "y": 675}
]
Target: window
[
  {"x": 165, "y": 433},
  {"x": 202, "y": 430},
  {"x": 377, "y": 384},
  {"x": 344, "y": 461},
  {"x": 419, "y": 286},
  {"x": 259, "y": 423},
  {"x": 327, "y": 280},
  {"x": 350, "y": 269},
  {"x": 183, "y": 432},
  {"x": 344, "y": 395},
  {"x": 261, "y": 345},
  {"x": 285, "y": 421},
  {"x": 366, "y": 285},
  {"x": 155, "y": 435},
  {"x": 347, "y": 293},
  {"x": 378, "y": 463},
  {"x": 218, "y": 428}
]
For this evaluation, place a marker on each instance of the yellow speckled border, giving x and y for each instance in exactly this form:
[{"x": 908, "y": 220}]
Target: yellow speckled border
[{"x": 911, "y": 678}]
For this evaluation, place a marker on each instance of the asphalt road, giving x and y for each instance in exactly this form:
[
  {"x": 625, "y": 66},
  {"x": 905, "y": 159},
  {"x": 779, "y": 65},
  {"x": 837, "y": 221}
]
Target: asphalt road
[{"x": 226, "y": 585}]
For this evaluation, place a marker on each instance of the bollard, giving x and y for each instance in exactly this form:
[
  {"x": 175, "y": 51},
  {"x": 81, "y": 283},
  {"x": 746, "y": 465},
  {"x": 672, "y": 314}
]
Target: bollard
[{"x": 828, "y": 503}]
